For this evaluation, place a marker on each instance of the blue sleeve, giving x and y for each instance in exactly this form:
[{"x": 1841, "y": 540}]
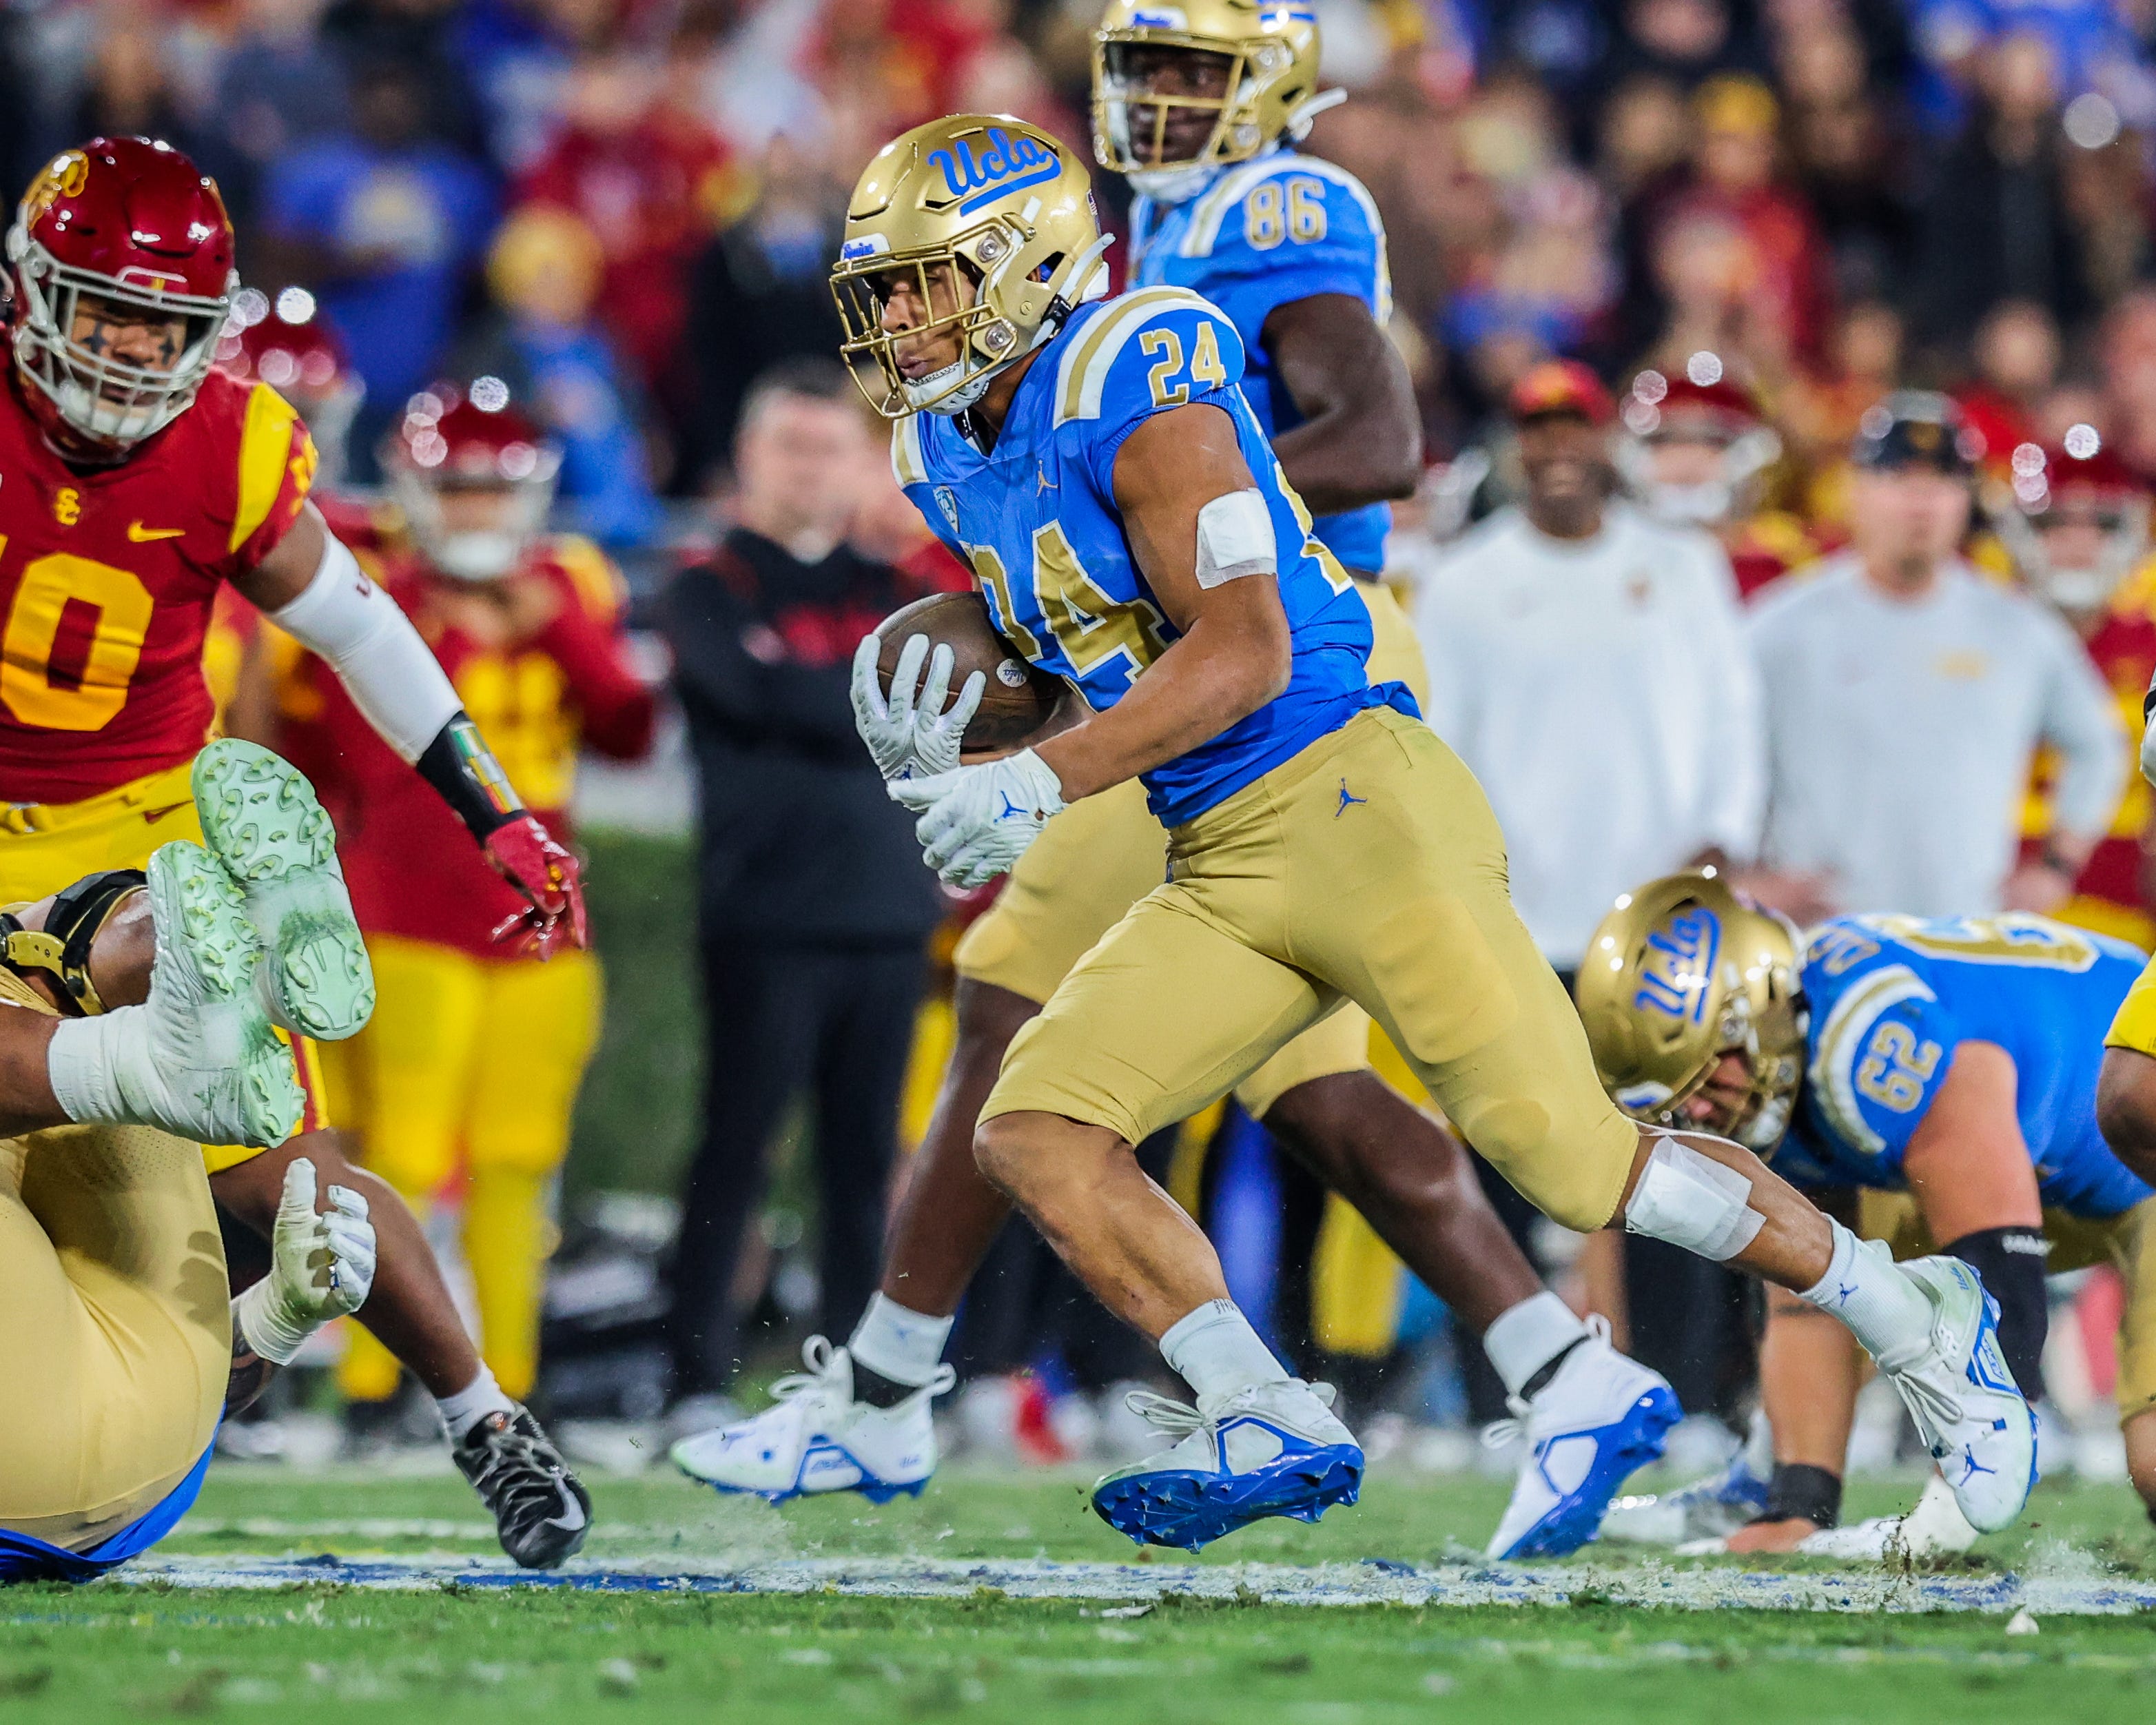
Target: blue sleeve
[
  {"x": 922, "y": 496},
  {"x": 1885, "y": 1049},
  {"x": 306, "y": 193},
  {"x": 1182, "y": 352},
  {"x": 1304, "y": 229}
]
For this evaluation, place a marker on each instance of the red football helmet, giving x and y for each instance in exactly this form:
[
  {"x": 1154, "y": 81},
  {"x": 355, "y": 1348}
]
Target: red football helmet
[
  {"x": 474, "y": 477},
  {"x": 291, "y": 347},
  {"x": 1698, "y": 443},
  {"x": 135, "y": 224},
  {"x": 2078, "y": 524}
]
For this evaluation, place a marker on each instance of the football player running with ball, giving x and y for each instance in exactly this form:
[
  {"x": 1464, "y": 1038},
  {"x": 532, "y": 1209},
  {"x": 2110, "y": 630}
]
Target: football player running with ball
[
  {"x": 1097, "y": 464},
  {"x": 139, "y": 481},
  {"x": 1203, "y": 118}
]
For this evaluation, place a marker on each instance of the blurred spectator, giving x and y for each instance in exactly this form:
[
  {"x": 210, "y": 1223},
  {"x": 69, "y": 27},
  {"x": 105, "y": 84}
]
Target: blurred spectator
[
  {"x": 1906, "y": 694},
  {"x": 384, "y": 222},
  {"x": 417, "y": 35},
  {"x": 1847, "y": 155},
  {"x": 1686, "y": 42},
  {"x": 761, "y": 292},
  {"x": 518, "y": 56},
  {"x": 1996, "y": 226},
  {"x": 126, "y": 94},
  {"x": 650, "y": 179},
  {"x": 545, "y": 270},
  {"x": 2016, "y": 355},
  {"x": 2127, "y": 349},
  {"x": 279, "y": 86},
  {"x": 1647, "y": 133},
  {"x": 814, "y": 905},
  {"x": 20, "y": 154}
]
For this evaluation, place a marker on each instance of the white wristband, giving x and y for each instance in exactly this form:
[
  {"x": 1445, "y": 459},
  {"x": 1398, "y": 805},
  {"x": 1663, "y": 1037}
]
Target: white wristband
[{"x": 378, "y": 656}]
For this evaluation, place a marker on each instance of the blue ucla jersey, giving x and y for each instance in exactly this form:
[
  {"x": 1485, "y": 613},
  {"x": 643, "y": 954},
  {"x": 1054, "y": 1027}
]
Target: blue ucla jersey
[
  {"x": 1892, "y": 997},
  {"x": 1283, "y": 228},
  {"x": 1035, "y": 519}
]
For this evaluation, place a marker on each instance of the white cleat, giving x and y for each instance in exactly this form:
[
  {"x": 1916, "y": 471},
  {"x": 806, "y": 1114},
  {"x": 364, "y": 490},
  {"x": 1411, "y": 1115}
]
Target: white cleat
[
  {"x": 1267, "y": 1449},
  {"x": 199, "y": 1058},
  {"x": 1935, "y": 1527},
  {"x": 1594, "y": 1424},
  {"x": 816, "y": 1438},
  {"x": 1967, "y": 1409},
  {"x": 261, "y": 822}
]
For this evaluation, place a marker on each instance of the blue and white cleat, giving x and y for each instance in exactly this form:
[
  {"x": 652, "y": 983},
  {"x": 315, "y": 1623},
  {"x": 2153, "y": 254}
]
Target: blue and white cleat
[
  {"x": 1269, "y": 1450},
  {"x": 816, "y": 1438},
  {"x": 1599, "y": 1420},
  {"x": 261, "y": 822},
  {"x": 1712, "y": 1508},
  {"x": 1967, "y": 1409}
]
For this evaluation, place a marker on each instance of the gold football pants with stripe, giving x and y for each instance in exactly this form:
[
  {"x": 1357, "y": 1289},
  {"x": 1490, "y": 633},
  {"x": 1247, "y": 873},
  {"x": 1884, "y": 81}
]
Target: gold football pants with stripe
[{"x": 470, "y": 1063}]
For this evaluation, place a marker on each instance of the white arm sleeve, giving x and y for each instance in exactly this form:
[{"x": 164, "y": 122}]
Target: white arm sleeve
[{"x": 377, "y": 654}]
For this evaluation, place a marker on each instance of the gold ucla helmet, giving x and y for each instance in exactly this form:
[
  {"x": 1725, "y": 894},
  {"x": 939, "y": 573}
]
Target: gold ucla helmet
[
  {"x": 990, "y": 223},
  {"x": 1680, "y": 973},
  {"x": 1271, "y": 48}
]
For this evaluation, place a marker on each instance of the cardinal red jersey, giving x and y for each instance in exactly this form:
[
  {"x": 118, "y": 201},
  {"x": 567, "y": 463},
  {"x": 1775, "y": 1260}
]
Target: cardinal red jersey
[
  {"x": 413, "y": 870},
  {"x": 2107, "y": 895},
  {"x": 107, "y": 579}
]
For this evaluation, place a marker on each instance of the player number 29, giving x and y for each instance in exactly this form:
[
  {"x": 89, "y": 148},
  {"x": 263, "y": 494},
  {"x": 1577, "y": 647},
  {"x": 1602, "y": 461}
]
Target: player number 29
[
  {"x": 1269, "y": 216},
  {"x": 1896, "y": 1067},
  {"x": 1165, "y": 348}
]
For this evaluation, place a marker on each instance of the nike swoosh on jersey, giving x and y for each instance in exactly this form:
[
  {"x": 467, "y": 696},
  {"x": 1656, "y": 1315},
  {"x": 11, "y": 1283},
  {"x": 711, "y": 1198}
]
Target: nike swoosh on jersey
[
  {"x": 137, "y": 534},
  {"x": 573, "y": 1513},
  {"x": 152, "y": 816}
]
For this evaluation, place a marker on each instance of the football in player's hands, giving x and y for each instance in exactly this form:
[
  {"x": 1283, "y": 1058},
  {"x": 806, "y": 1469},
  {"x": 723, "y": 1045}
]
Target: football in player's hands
[
  {"x": 1018, "y": 701},
  {"x": 525, "y": 855}
]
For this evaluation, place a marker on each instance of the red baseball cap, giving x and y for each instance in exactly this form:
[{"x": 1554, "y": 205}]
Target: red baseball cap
[{"x": 1561, "y": 386}]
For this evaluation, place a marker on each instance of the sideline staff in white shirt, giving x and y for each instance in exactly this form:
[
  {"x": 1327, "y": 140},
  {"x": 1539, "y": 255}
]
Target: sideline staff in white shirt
[
  {"x": 1907, "y": 693},
  {"x": 1589, "y": 664}
]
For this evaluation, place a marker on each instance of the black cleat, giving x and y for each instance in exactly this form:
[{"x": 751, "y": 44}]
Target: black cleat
[{"x": 540, "y": 1510}]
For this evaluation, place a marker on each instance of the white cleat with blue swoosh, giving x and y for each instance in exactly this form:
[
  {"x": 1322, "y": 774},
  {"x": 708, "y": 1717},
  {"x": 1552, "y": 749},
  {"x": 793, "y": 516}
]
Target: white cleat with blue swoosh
[{"x": 1967, "y": 1409}]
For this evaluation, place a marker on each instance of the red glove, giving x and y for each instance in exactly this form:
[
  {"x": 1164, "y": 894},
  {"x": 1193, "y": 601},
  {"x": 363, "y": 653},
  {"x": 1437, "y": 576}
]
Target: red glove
[{"x": 525, "y": 855}]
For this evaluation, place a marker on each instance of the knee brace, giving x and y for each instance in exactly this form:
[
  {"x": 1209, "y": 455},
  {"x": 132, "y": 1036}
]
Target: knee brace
[
  {"x": 1694, "y": 1202},
  {"x": 62, "y": 948},
  {"x": 2011, "y": 1262}
]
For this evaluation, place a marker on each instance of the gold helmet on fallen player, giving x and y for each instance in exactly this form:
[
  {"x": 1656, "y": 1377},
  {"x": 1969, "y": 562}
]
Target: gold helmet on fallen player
[
  {"x": 1679, "y": 974},
  {"x": 1168, "y": 142},
  {"x": 981, "y": 229}
]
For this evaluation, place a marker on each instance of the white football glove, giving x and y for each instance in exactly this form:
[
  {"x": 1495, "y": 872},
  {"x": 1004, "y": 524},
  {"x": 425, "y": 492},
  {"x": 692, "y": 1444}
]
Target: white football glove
[
  {"x": 911, "y": 740},
  {"x": 976, "y": 822},
  {"x": 320, "y": 1267}
]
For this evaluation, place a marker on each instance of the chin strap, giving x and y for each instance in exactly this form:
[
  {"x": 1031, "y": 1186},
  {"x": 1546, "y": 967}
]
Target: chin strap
[
  {"x": 1303, "y": 112},
  {"x": 62, "y": 948}
]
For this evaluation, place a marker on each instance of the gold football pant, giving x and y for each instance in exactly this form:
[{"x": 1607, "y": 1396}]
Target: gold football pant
[
  {"x": 117, "y": 1339},
  {"x": 1368, "y": 868},
  {"x": 2133, "y": 1025},
  {"x": 1101, "y": 855},
  {"x": 47, "y": 846},
  {"x": 2126, "y": 1241},
  {"x": 483, "y": 1057}
]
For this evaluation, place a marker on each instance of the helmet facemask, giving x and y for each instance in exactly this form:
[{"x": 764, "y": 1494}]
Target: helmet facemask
[
  {"x": 109, "y": 402},
  {"x": 1171, "y": 142},
  {"x": 968, "y": 290}
]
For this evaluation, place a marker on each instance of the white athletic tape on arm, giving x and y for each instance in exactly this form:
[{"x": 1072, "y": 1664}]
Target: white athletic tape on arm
[
  {"x": 377, "y": 654},
  {"x": 1236, "y": 539},
  {"x": 1692, "y": 1201}
]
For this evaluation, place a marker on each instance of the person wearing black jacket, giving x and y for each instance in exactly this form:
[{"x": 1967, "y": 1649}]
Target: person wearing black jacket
[{"x": 813, "y": 905}]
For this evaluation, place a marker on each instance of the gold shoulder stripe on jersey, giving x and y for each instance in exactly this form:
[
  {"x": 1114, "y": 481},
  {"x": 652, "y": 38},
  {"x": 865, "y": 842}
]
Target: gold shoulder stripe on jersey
[
  {"x": 600, "y": 590},
  {"x": 137, "y": 534},
  {"x": 265, "y": 444},
  {"x": 1083, "y": 374},
  {"x": 906, "y": 461},
  {"x": 1204, "y": 231}
]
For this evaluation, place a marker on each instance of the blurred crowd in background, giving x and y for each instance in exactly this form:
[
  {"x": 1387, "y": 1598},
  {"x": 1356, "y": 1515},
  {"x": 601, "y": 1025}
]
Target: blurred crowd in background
[{"x": 1750, "y": 221}]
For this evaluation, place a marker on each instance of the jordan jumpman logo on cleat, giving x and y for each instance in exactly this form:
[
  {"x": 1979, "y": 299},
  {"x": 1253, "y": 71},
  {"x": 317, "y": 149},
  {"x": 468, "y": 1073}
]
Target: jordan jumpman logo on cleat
[{"x": 1347, "y": 798}]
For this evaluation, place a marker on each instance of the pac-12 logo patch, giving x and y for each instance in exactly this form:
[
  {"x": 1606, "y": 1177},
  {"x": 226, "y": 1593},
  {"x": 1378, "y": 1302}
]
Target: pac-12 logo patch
[{"x": 947, "y": 500}]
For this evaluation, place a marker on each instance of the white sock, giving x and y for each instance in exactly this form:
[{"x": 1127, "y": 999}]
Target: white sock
[
  {"x": 1885, "y": 1308},
  {"x": 898, "y": 1343},
  {"x": 1521, "y": 1341},
  {"x": 472, "y": 1403},
  {"x": 1216, "y": 1353},
  {"x": 84, "y": 1060}
]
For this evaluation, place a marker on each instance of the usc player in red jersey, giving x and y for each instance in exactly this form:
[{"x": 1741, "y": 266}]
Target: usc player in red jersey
[
  {"x": 2078, "y": 530},
  {"x": 469, "y": 1050},
  {"x": 136, "y": 482}
]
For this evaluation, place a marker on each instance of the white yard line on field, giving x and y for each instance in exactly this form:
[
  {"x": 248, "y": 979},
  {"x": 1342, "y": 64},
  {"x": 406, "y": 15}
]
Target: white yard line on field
[{"x": 1377, "y": 1583}]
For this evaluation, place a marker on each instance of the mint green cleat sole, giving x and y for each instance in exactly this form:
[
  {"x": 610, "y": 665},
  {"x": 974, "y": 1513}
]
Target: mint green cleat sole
[
  {"x": 223, "y": 1062},
  {"x": 262, "y": 825}
]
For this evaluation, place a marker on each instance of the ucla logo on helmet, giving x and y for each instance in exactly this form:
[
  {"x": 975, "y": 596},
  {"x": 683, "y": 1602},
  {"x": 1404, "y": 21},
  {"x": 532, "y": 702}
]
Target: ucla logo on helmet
[
  {"x": 1006, "y": 165},
  {"x": 1160, "y": 17},
  {"x": 947, "y": 500},
  {"x": 1679, "y": 964}
]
